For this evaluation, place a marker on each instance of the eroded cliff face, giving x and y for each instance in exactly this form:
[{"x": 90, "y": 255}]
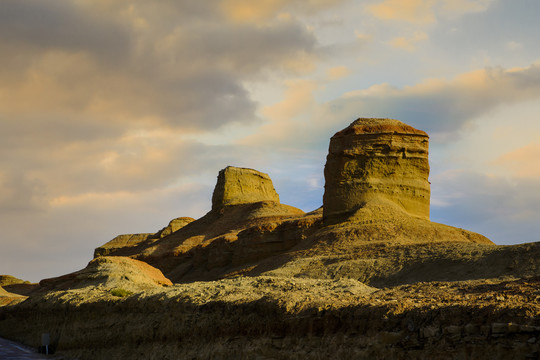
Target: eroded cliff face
[
  {"x": 377, "y": 159},
  {"x": 237, "y": 186}
]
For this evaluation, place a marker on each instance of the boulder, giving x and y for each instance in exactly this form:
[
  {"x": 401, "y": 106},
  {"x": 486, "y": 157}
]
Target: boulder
[
  {"x": 237, "y": 186},
  {"x": 377, "y": 160}
]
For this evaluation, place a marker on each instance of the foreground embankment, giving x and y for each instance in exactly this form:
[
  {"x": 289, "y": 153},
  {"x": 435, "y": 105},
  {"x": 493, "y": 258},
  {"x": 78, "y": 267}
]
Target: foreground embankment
[{"x": 277, "y": 318}]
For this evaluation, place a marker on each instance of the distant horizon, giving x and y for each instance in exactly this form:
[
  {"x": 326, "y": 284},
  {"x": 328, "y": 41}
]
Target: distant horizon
[{"x": 116, "y": 116}]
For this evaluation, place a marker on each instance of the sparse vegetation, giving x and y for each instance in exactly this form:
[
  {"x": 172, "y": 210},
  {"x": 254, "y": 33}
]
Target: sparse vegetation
[{"x": 119, "y": 292}]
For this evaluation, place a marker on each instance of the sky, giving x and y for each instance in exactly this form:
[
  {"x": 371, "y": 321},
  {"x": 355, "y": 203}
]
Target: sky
[{"x": 117, "y": 115}]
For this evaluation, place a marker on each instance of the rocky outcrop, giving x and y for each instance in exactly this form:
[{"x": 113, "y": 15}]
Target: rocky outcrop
[
  {"x": 110, "y": 272},
  {"x": 376, "y": 192},
  {"x": 174, "y": 225},
  {"x": 250, "y": 318},
  {"x": 126, "y": 243},
  {"x": 11, "y": 280},
  {"x": 377, "y": 160},
  {"x": 237, "y": 186},
  {"x": 8, "y": 298},
  {"x": 247, "y": 223},
  {"x": 17, "y": 286}
]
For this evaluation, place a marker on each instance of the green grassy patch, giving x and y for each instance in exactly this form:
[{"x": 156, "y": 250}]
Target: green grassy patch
[{"x": 119, "y": 292}]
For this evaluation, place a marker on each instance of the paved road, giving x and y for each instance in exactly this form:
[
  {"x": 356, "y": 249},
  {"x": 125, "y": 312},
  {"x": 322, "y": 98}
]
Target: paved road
[{"x": 14, "y": 351}]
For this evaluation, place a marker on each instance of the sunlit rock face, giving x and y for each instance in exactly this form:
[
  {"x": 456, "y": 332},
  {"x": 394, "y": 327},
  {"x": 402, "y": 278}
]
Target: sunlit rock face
[
  {"x": 373, "y": 160},
  {"x": 242, "y": 186}
]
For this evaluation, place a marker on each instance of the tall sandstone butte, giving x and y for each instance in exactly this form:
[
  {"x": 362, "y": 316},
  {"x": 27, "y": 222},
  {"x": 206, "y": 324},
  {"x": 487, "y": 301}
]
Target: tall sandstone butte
[
  {"x": 242, "y": 186},
  {"x": 377, "y": 159}
]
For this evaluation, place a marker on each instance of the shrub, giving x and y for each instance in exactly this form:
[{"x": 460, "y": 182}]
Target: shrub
[{"x": 119, "y": 292}]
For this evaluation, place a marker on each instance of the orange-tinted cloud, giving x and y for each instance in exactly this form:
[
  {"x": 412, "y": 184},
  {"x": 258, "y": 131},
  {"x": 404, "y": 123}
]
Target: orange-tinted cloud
[
  {"x": 523, "y": 162},
  {"x": 415, "y": 11},
  {"x": 247, "y": 11},
  {"x": 337, "y": 72},
  {"x": 251, "y": 11},
  {"x": 442, "y": 106},
  {"x": 422, "y": 12},
  {"x": 409, "y": 43}
]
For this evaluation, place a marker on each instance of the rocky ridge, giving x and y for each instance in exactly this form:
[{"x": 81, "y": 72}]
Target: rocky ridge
[
  {"x": 129, "y": 241},
  {"x": 366, "y": 276}
]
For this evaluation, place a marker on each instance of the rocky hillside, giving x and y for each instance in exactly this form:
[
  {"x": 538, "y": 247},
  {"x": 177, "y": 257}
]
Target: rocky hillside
[{"x": 368, "y": 275}]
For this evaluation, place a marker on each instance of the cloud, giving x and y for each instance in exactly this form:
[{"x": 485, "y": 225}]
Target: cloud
[
  {"x": 523, "y": 162},
  {"x": 288, "y": 118},
  {"x": 245, "y": 11},
  {"x": 504, "y": 209},
  {"x": 424, "y": 12},
  {"x": 409, "y": 43},
  {"x": 62, "y": 239},
  {"x": 513, "y": 45},
  {"x": 415, "y": 11},
  {"x": 337, "y": 73},
  {"x": 443, "y": 107},
  {"x": 20, "y": 192},
  {"x": 457, "y": 7},
  {"x": 102, "y": 96},
  {"x": 174, "y": 64},
  {"x": 61, "y": 25}
]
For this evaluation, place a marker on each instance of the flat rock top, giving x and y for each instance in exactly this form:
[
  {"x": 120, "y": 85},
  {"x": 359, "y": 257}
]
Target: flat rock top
[
  {"x": 242, "y": 186},
  {"x": 379, "y": 126}
]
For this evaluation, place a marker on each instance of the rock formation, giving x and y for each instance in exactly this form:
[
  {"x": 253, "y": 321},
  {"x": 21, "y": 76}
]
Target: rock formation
[
  {"x": 174, "y": 225},
  {"x": 6, "y": 280},
  {"x": 9, "y": 298},
  {"x": 16, "y": 286},
  {"x": 246, "y": 223},
  {"x": 374, "y": 279},
  {"x": 376, "y": 179},
  {"x": 110, "y": 272},
  {"x": 123, "y": 244},
  {"x": 242, "y": 186},
  {"x": 374, "y": 160}
]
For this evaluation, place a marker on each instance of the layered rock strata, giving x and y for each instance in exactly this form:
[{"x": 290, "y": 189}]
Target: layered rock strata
[
  {"x": 377, "y": 160},
  {"x": 242, "y": 186},
  {"x": 247, "y": 223},
  {"x": 127, "y": 243}
]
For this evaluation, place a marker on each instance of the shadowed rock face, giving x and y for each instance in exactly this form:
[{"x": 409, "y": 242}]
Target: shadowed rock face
[
  {"x": 237, "y": 186},
  {"x": 373, "y": 160},
  {"x": 131, "y": 241}
]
